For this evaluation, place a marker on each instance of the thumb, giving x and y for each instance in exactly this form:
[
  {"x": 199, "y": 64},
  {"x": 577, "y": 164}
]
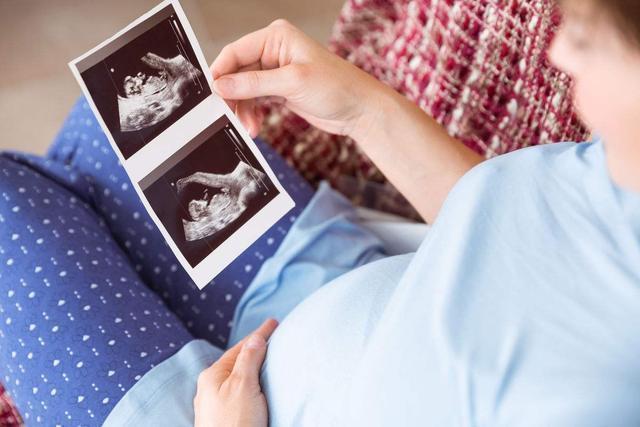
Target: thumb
[
  {"x": 283, "y": 82},
  {"x": 250, "y": 359}
]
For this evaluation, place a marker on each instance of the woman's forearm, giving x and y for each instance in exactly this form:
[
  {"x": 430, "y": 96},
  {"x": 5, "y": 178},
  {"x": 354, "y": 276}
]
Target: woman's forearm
[{"x": 411, "y": 149}]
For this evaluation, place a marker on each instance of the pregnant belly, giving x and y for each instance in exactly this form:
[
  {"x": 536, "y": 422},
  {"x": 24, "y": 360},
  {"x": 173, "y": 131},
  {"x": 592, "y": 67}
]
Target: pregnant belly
[{"x": 315, "y": 350}]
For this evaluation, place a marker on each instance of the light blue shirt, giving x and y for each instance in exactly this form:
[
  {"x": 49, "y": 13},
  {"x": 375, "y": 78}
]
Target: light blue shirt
[{"x": 521, "y": 308}]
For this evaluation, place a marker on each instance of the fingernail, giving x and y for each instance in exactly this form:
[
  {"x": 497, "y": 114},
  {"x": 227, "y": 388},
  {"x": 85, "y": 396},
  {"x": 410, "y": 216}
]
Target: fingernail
[
  {"x": 255, "y": 341},
  {"x": 224, "y": 85}
]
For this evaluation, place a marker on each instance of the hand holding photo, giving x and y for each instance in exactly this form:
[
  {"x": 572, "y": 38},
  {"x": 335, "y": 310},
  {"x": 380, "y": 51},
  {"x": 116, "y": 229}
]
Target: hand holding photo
[{"x": 202, "y": 179}]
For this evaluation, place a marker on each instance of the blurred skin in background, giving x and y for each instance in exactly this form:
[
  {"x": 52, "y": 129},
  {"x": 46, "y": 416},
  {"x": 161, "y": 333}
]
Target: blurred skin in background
[{"x": 604, "y": 60}]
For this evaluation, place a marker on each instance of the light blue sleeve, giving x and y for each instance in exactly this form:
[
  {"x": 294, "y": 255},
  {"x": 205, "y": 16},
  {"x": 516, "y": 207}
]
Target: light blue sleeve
[{"x": 164, "y": 396}]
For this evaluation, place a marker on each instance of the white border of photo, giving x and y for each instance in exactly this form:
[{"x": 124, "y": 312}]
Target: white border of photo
[{"x": 158, "y": 150}]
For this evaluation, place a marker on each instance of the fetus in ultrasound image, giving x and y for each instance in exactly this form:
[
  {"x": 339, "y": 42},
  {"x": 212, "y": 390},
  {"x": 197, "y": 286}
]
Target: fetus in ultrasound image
[
  {"x": 213, "y": 201},
  {"x": 145, "y": 81},
  {"x": 204, "y": 195},
  {"x": 149, "y": 99}
]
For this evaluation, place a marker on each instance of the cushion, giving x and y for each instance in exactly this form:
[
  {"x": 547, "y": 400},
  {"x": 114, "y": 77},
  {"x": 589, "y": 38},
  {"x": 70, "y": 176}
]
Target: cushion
[{"x": 479, "y": 67}]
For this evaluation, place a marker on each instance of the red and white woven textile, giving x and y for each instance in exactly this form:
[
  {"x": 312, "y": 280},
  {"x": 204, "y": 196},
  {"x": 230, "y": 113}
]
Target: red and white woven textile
[
  {"x": 479, "y": 67},
  {"x": 9, "y": 415}
]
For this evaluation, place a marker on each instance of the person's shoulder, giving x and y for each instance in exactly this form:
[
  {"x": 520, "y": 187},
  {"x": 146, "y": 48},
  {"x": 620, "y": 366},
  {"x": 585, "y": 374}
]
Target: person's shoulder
[
  {"x": 563, "y": 163},
  {"x": 555, "y": 175},
  {"x": 546, "y": 158}
]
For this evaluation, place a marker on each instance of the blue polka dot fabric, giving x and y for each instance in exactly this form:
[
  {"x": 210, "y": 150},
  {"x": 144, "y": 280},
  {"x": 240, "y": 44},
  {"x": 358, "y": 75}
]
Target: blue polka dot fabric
[{"x": 91, "y": 296}]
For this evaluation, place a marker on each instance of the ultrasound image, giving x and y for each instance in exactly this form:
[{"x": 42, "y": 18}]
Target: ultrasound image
[
  {"x": 222, "y": 200},
  {"x": 150, "y": 99},
  {"x": 148, "y": 84},
  {"x": 210, "y": 193}
]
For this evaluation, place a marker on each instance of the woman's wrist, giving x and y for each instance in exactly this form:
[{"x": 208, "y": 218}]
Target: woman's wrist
[
  {"x": 375, "y": 99},
  {"x": 409, "y": 147}
]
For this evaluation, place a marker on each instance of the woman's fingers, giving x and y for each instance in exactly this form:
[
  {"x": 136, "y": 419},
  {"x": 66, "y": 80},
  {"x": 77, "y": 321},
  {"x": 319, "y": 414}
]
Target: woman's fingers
[
  {"x": 241, "y": 53},
  {"x": 223, "y": 367},
  {"x": 222, "y": 396},
  {"x": 251, "y": 356},
  {"x": 266, "y": 329},
  {"x": 246, "y": 112},
  {"x": 246, "y": 109},
  {"x": 283, "y": 82},
  {"x": 257, "y": 64},
  {"x": 263, "y": 47}
]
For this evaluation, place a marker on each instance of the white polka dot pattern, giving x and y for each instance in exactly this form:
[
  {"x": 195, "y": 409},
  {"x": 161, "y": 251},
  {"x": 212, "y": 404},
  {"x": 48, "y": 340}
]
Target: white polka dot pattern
[
  {"x": 61, "y": 344},
  {"x": 92, "y": 297}
]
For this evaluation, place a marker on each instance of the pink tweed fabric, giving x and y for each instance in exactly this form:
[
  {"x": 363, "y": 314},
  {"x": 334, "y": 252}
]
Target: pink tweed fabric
[
  {"x": 9, "y": 416},
  {"x": 479, "y": 67}
]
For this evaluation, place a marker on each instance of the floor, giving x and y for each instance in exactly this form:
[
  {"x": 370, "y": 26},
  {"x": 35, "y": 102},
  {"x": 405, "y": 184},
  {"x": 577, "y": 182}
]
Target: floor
[{"x": 39, "y": 37}]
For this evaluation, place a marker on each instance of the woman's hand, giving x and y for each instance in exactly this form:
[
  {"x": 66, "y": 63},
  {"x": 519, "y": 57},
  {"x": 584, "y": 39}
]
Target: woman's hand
[
  {"x": 413, "y": 151},
  {"x": 280, "y": 60},
  {"x": 229, "y": 391}
]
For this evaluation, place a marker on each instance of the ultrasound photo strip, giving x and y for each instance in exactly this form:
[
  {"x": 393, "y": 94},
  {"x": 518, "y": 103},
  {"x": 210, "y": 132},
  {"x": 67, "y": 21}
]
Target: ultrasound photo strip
[{"x": 198, "y": 173}]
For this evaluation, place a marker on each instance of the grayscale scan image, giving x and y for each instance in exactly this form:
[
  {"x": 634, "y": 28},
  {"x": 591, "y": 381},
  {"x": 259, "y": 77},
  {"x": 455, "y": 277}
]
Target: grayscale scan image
[
  {"x": 208, "y": 189},
  {"x": 222, "y": 199},
  {"x": 150, "y": 98},
  {"x": 145, "y": 80}
]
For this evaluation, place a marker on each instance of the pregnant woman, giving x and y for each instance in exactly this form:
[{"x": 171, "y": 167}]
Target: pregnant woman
[{"x": 521, "y": 307}]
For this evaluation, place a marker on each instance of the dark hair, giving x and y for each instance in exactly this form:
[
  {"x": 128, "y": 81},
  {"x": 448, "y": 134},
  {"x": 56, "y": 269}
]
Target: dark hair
[{"x": 626, "y": 13}]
